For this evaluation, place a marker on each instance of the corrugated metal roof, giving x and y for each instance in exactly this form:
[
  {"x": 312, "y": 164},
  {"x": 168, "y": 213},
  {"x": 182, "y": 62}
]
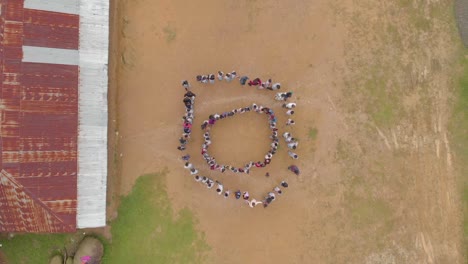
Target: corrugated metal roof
[
  {"x": 22, "y": 212},
  {"x": 39, "y": 123}
]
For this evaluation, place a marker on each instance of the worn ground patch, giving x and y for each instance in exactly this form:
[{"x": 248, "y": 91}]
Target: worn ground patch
[{"x": 375, "y": 88}]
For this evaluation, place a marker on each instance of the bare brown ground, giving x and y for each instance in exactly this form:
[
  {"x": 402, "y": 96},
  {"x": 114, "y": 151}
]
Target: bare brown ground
[{"x": 371, "y": 191}]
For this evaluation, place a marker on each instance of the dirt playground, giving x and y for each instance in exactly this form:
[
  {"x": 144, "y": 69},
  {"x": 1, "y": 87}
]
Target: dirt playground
[{"x": 372, "y": 83}]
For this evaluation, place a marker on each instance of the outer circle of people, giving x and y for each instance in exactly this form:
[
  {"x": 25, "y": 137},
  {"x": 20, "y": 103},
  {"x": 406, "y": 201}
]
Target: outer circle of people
[{"x": 290, "y": 141}]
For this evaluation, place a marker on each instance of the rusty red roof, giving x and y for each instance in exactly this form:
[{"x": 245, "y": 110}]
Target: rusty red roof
[{"x": 39, "y": 122}]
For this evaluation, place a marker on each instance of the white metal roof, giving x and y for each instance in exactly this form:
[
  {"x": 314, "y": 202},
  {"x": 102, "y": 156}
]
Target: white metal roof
[{"x": 92, "y": 107}]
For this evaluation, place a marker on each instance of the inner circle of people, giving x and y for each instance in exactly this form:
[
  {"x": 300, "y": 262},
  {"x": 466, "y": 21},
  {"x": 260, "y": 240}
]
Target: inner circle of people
[{"x": 290, "y": 141}]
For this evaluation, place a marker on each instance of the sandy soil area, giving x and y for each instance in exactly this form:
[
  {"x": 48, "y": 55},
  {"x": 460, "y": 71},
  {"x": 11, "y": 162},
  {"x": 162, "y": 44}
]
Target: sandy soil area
[{"x": 336, "y": 211}]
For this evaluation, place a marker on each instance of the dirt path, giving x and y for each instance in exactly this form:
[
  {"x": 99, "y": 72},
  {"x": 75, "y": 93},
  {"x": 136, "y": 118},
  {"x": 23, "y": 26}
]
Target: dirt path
[{"x": 372, "y": 191}]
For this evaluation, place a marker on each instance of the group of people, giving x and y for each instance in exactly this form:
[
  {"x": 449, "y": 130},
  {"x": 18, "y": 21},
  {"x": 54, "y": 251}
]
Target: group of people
[
  {"x": 207, "y": 124},
  {"x": 189, "y": 100},
  {"x": 238, "y": 194},
  {"x": 228, "y": 77},
  {"x": 291, "y": 142}
]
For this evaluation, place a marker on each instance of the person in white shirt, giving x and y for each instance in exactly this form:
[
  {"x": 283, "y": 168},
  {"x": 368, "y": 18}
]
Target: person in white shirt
[
  {"x": 278, "y": 190},
  {"x": 286, "y": 135},
  {"x": 220, "y": 75},
  {"x": 228, "y": 77},
  {"x": 272, "y": 196},
  {"x": 188, "y": 165},
  {"x": 266, "y": 84},
  {"x": 197, "y": 178},
  {"x": 252, "y": 203},
  {"x": 193, "y": 171},
  {"x": 292, "y": 155},
  {"x": 219, "y": 188},
  {"x": 289, "y": 106},
  {"x": 283, "y": 96},
  {"x": 226, "y": 193},
  {"x": 290, "y": 112},
  {"x": 293, "y": 145},
  {"x": 276, "y": 86},
  {"x": 233, "y": 75},
  {"x": 186, "y": 84},
  {"x": 290, "y": 122},
  {"x": 210, "y": 183}
]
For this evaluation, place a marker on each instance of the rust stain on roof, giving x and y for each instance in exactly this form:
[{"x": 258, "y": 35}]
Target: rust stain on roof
[{"x": 39, "y": 123}]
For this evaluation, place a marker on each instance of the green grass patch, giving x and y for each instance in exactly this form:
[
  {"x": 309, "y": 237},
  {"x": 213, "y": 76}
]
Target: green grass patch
[
  {"x": 313, "y": 133},
  {"x": 459, "y": 131},
  {"x": 146, "y": 230},
  {"x": 33, "y": 248},
  {"x": 170, "y": 33}
]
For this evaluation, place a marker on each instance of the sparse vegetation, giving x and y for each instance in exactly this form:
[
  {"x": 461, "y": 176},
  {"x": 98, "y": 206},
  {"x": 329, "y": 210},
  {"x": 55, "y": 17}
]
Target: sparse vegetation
[
  {"x": 368, "y": 211},
  {"x": 459, "y": 131},
  {"x": 170, "y": 33},
  {"x": 313, "y": 133}
]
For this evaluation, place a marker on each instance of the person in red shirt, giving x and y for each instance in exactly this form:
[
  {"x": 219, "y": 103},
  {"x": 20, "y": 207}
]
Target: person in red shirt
[{"x": 255, "y": 82}]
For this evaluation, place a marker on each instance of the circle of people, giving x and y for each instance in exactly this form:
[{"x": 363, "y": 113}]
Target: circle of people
[
  {"x": 207, "y": 124},
  {"x": 292, "y": 143}
]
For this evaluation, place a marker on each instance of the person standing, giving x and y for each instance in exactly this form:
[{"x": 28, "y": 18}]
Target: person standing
[
  {"x": 275, "y": 86},
  {"x": 255, "y": 82},
  {"x": 188, "y": 165},
  {"x": 289, "y": 106},
  {"x": 292, "y": 155},
  {"x": 219, "y": 188},
  {"x": 294, "y": 169},
  {"x": 186, "y": 85},
  {"x": 252, "y": 203},
  {"x": 290, "y": 122},
  {"x": 233, "y": 75},
  {"x": 278, "y": 190},
  {"x": 243, "y": 80},
  {"x": 220, "y": 75},
  {"x": 228, "y": 77},
  {"x": 293, "y": 145}
]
